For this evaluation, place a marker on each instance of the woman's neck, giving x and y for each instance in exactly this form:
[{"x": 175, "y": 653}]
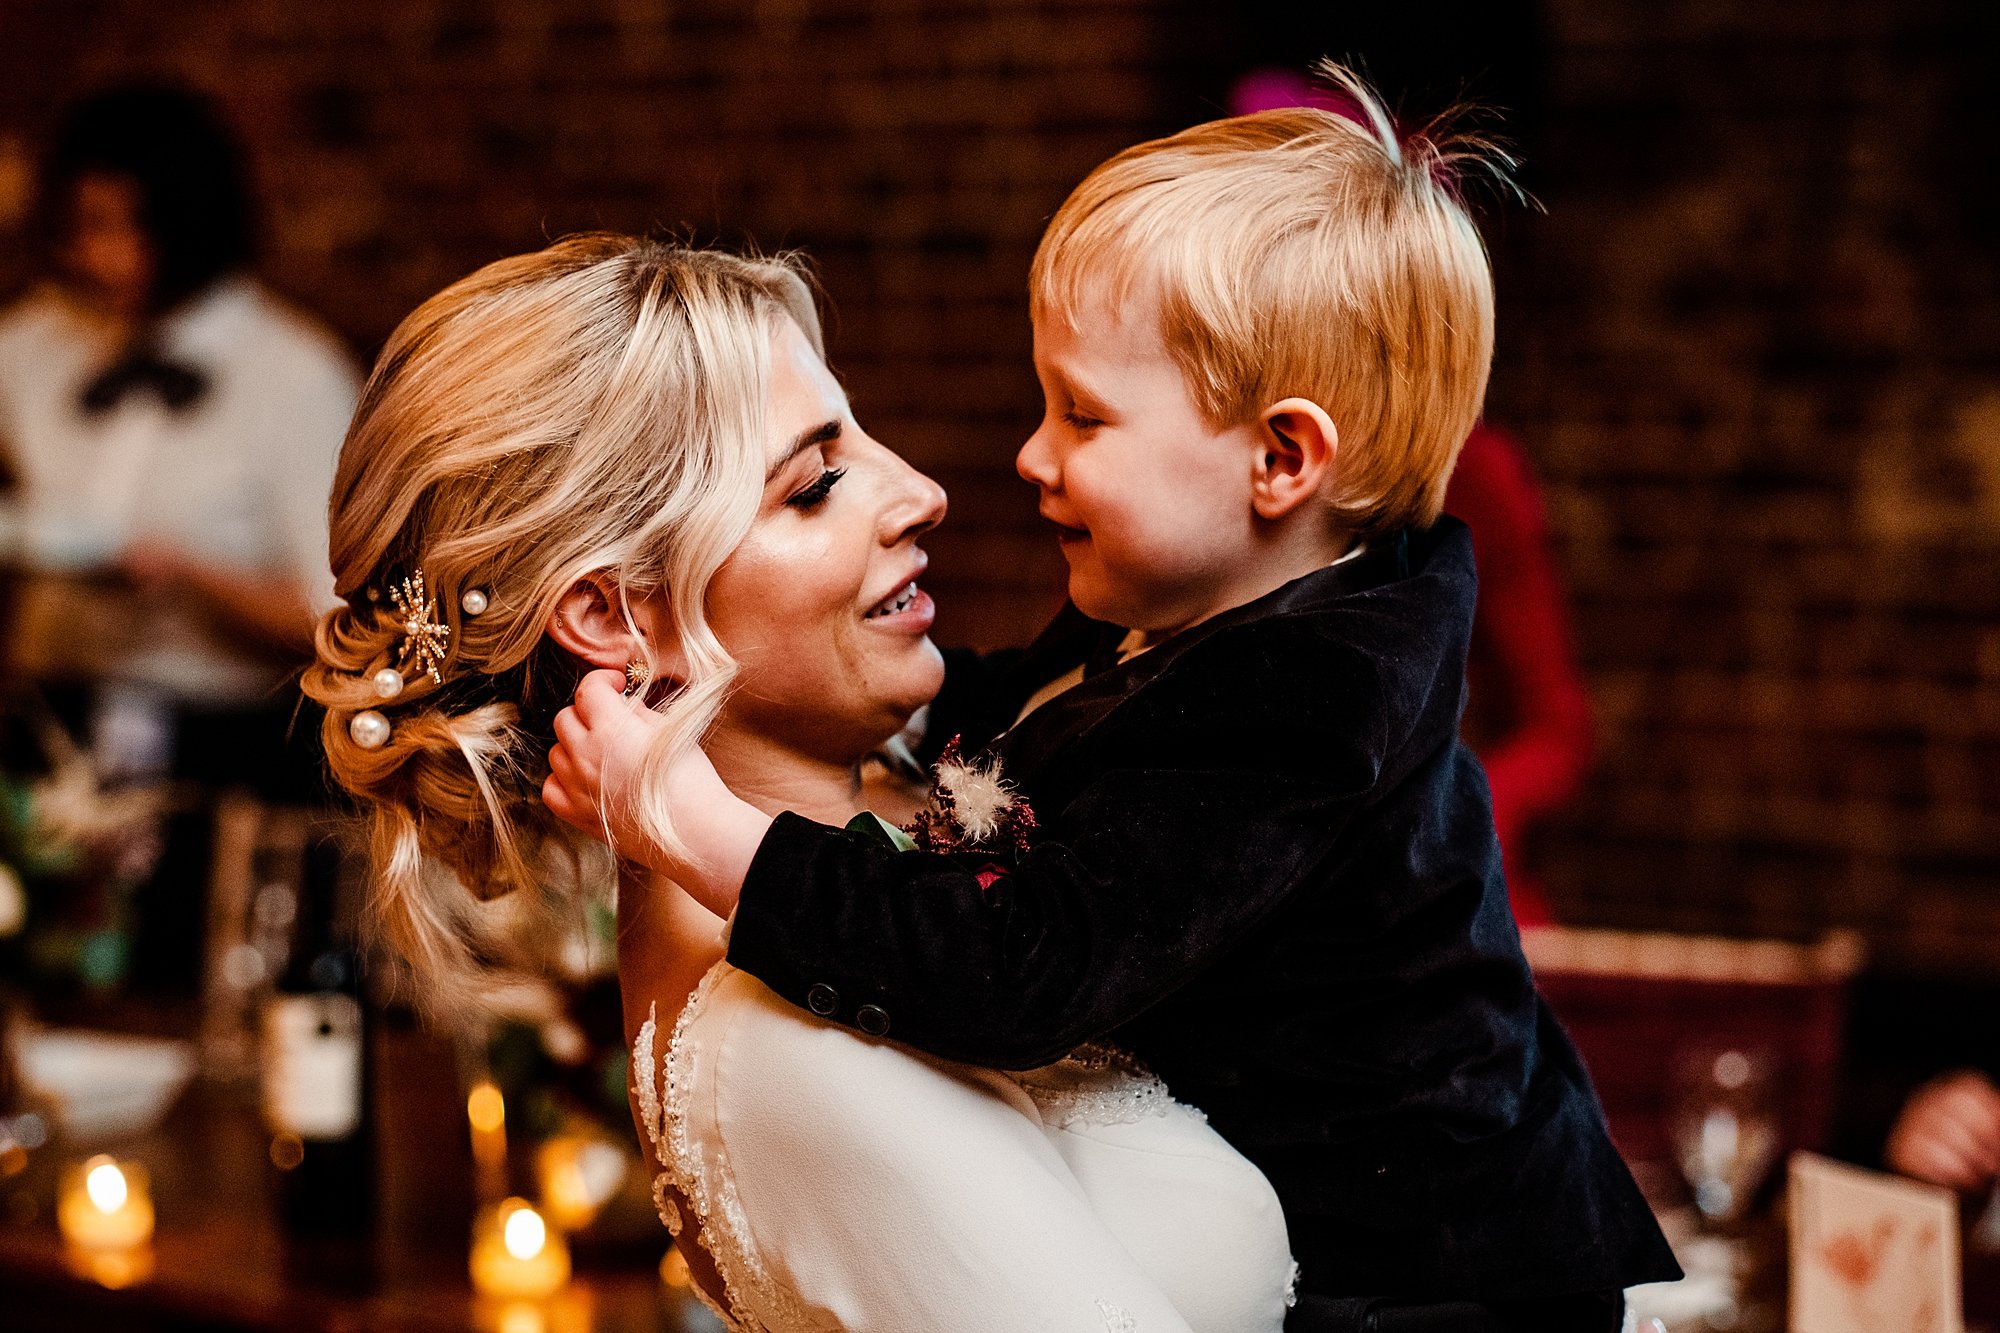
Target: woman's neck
[{"x": 776, "y": 777}]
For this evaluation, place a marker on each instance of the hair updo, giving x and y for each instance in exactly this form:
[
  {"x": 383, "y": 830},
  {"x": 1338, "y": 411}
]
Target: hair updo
[{"x": 596, "y": 407}]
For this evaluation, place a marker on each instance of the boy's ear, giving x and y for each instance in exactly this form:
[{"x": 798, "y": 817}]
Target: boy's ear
[
  {"x": 589, "y": 622},
  {"x": 1299, "y": 444}
]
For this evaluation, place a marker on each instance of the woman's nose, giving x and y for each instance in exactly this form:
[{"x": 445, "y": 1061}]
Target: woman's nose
[{"x": 919, "y": 504}]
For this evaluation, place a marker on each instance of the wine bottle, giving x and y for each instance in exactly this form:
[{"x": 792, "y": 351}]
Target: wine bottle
[{"x": 316, "y": 1083}]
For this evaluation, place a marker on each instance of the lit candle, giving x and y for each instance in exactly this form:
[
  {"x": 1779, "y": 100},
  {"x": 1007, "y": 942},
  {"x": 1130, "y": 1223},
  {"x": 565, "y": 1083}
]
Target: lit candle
[
  {"x": 106, "y": 1205},
  {"x": 515, "y": 1254},
  {"x": 486, "y": 1110}
]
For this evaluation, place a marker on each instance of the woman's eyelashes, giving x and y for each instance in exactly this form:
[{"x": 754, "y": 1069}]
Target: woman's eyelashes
[
  {"x": 1080, "y": 421},
  {"x": 815, "y": 494}
]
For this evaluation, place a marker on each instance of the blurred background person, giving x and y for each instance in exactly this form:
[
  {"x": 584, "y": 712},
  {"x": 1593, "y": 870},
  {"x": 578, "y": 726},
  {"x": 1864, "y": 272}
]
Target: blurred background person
[
  {"x": 1527, "y": 714},
  {"x": 170, "y": 427}
]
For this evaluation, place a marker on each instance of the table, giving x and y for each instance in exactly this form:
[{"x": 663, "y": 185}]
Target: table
[{"x": 224, "y": 1265}]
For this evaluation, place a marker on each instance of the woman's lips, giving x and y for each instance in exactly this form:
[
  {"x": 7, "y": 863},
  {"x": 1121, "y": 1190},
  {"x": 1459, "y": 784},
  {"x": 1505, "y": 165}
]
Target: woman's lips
[{"x": 910, "y": 610}]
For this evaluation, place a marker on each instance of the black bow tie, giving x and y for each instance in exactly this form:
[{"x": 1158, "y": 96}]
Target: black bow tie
[{"x": 176, "y": 384}]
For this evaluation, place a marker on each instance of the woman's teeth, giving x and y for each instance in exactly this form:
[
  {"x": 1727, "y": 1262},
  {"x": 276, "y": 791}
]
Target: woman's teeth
[{"x": 899, "y": 602}]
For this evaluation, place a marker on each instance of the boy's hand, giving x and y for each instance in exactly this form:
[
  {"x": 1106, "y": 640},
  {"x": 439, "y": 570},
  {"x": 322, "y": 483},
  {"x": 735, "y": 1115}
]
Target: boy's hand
[
  {"x": 600, "y": 732},
  {"x": 601, "y": 739}
]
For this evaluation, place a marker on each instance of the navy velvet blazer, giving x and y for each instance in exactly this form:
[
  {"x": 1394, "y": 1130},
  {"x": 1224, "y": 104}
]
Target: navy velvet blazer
[{"x": 1267, "y": 867}]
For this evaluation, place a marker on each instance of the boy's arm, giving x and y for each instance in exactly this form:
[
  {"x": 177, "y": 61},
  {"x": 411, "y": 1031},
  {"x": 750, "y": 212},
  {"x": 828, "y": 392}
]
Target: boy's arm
[
  {"x": 1139, "y": 884},
  {"x": 1224, "y": 802}
]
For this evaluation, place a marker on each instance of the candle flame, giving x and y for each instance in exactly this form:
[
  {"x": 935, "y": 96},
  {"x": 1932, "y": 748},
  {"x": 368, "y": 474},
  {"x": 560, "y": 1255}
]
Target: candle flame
[
  {"x": 524, "y": 1233},
  {"x": 486, "y": 1108},
  {"x": 105, "y": 1184}
]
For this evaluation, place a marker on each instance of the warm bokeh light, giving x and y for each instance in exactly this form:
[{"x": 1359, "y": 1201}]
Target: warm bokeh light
[
  {"x": 287, "y": 1151},
  {"x": 105, "y": 1184},
  {"x": 515, "y": 1255},
  {"x": 105, "y": 1204},
  {"x": 486, "y": 1109},
  {"x": 521, "y": 1317},
  {"x": 524, "y": 1232}
]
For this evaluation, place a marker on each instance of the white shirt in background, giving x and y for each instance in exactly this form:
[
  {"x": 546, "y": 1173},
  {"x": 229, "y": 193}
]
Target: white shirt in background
[{"x": 240, "y": 478}]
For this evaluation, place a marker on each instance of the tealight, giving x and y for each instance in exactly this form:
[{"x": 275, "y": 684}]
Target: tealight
[
  {"x": 516, "y": 1254},
  {"x": 106, "y": 1204}
]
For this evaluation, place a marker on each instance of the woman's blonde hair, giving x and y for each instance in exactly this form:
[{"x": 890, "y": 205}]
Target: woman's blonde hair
[
  {"x": 1301, "y": 253},
  {"x": 594, "y": 408}
]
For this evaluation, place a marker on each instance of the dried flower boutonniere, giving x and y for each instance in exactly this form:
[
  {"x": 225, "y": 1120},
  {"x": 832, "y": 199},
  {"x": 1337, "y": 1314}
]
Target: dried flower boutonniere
[{"x": 971, "y": 808}]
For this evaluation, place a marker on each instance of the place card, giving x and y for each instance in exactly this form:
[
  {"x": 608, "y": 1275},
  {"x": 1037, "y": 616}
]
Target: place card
[{"x": 1871, "y": 1252}]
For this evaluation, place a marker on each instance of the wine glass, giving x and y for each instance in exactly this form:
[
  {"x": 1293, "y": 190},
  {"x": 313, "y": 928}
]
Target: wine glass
[{"x": 1725, "y": 1128}]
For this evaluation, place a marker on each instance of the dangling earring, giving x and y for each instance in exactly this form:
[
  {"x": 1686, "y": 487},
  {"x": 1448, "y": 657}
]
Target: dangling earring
[{"x": 638, "y": 674}]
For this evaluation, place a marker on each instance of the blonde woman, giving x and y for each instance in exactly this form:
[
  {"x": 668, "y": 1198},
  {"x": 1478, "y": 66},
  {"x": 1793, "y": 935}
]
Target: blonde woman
[{"x": 627, "y": 455}]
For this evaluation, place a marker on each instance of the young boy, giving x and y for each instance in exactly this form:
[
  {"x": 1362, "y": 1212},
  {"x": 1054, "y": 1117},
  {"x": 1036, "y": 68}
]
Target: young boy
[{"x": 1265, "y": 864}]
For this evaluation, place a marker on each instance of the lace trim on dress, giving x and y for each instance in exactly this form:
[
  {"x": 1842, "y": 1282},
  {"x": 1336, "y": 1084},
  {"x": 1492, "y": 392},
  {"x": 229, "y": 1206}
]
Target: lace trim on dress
[
  {"x": 709, "y": 1187},
  {"x": 1099, "y": 1085}
]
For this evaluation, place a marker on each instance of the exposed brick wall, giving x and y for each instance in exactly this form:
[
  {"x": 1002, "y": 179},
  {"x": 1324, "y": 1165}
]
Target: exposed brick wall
[
  {"x": 1753, "y": 346},
  {"x": 912, "y": 147}
]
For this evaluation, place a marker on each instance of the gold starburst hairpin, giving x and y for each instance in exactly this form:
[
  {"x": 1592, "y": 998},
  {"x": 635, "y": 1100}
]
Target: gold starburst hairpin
[{"x": 425, "y": 637}]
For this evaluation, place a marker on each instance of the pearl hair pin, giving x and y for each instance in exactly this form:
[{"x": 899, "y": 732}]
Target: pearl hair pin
[
  {"x": 426, "y": 638},
  {"x": 368, "y": 729}
]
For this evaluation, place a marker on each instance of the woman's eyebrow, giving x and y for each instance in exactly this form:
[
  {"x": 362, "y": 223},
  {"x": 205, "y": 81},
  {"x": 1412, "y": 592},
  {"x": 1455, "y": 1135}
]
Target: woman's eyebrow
[{"x": 811, "y": 437}]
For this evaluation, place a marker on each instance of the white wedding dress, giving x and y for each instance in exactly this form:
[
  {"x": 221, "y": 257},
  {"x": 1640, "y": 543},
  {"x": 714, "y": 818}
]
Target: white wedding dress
[{"x": 843, "y": 1183}]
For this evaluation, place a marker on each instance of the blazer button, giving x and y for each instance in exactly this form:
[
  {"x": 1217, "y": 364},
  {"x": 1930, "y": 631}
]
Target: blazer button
[
  {"x": 823, "y": 999},
  {"x": 872, "y": 1019}
]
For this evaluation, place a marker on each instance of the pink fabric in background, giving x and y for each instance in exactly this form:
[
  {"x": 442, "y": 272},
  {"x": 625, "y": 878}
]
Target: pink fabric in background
[{"x": 1271, "y": 89}]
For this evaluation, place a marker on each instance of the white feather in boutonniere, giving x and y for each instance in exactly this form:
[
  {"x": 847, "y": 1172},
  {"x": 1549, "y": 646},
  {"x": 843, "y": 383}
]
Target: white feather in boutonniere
[{"x": 971, "y": 808}]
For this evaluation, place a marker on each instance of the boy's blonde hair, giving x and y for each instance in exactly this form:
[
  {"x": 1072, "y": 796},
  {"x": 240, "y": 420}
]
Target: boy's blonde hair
[
  {"x": 1300, "y": 253},
  {"x": 597, "y": 407}
]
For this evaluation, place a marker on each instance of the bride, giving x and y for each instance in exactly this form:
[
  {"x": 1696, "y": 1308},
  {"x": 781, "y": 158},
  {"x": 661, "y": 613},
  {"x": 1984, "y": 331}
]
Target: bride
[{"x": 623, "y": 454}]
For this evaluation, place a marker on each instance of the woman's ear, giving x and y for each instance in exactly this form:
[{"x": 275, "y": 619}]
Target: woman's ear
[
  {"x": 590, "y": 622},
  {"x": 1299, "y": 442}
]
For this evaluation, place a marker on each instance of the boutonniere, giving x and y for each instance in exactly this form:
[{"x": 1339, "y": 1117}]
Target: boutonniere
[{"x": 971, "y": 808}]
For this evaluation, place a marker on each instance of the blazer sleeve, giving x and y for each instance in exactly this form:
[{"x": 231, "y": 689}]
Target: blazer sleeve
[{"x": 1139, "y": 882}]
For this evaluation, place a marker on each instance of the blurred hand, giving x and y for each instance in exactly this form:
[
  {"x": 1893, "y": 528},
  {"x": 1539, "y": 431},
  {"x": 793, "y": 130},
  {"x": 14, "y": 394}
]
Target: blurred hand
[
  {"x": 1949, "y": 1133},
  {"x": 153, "y": 565}
]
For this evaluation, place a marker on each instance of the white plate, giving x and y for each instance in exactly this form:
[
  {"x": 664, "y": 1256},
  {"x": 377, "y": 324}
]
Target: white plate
[{"x": 106, "y": 1085}]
